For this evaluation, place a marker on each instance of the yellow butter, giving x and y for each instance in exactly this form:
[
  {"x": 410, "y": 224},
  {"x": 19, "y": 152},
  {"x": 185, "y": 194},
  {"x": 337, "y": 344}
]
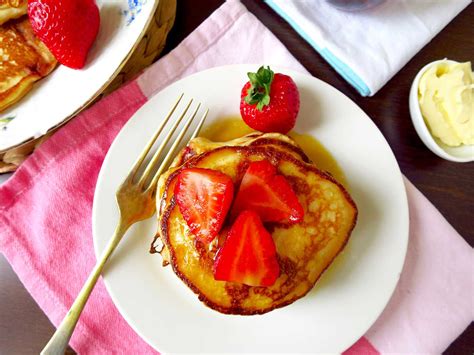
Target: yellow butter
[{"x": 445, "y": 95}]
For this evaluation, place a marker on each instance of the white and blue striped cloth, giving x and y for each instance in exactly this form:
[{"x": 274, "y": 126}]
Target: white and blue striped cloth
[{"x": 368, "y": 47}]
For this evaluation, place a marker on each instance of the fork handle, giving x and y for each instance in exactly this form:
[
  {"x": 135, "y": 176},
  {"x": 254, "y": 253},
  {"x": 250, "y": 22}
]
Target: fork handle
[{"x": 59, "y": 341}]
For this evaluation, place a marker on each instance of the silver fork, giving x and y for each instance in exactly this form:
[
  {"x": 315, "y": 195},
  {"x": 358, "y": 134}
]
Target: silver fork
[{"x": 136, "y": 202}]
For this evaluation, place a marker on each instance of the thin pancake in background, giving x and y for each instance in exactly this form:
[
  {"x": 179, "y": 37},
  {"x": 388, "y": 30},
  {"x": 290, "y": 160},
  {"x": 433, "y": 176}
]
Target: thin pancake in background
[
  {"x": 12, "y": 9},
  {"x": 23, "y": 60}
]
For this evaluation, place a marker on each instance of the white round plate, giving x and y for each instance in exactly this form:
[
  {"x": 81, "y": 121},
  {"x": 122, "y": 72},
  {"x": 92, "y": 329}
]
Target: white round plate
[
  {"x": 67, "y": 91},
  {"x": 350, "y": 295}
]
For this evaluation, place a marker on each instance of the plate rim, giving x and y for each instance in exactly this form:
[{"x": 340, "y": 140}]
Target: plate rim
[
  {"x": 96, "y": 93},
  {"x": 290, "y": 72}
]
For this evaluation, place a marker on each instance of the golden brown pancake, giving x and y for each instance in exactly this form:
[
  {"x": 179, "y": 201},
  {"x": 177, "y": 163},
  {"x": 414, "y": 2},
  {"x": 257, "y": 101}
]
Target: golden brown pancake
[
  {"x": 12, "y": 9},
  {"x": 24, "y": 59},
  {"x": 201, "y": 145},
  {"x": 279, "y": 141},
  {"x": 304, "y": 250}
]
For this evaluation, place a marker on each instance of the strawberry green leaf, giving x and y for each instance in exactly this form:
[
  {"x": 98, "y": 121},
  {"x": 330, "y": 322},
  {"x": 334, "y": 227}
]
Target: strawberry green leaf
[
  {"x": 259, "y": 91},
  {"x": 253, "y": 78},
  {"x": 265, "y": 100}
]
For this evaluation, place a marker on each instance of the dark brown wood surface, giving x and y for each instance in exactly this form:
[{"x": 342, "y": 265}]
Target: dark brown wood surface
[{"x": 449, "y": 186}]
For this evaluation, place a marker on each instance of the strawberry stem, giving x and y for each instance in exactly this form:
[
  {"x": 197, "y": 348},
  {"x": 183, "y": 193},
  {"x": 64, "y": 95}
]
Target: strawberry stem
[{"x": 259, "y": 91}]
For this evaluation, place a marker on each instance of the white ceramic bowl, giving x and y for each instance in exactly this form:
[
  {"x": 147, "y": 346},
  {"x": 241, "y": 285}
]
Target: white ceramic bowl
[{"x": 461, "y": 154}]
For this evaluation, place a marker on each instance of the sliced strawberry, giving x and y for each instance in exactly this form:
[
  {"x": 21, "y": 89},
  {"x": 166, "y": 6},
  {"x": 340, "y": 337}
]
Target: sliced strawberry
[
  {"x": 267, "y": 193},
  {"x": 67, "y": 27},
  {"x": 248, "y": 255},
  {"x": 204, "y": 197}
]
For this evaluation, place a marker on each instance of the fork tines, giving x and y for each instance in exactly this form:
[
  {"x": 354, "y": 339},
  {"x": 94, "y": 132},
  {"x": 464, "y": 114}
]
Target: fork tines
[{"x": 158, "y": 155}]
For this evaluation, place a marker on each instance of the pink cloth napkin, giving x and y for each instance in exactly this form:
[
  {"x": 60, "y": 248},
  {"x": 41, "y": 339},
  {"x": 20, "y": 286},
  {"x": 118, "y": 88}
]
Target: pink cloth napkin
[{"x": 45, "y": 213}]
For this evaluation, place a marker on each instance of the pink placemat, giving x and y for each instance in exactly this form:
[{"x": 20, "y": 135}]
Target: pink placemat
[{"x": 45, "y": 213}]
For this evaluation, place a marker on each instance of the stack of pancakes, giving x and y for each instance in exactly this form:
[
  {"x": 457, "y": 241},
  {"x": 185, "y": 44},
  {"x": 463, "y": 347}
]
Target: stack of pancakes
[
  {"x": 24, "y": 59},
  {"x": 304, "y": 250}
]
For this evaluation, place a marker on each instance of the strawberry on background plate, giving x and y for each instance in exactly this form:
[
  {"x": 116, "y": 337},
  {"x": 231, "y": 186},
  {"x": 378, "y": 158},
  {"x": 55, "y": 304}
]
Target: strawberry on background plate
[
  {"x": 204, "y": 197},
  {"x": 248, "y": 255},
  {"x": 267, "y": 193},
  {"x": 67, "y": 27},
  {"x": 269, "y": 102}
]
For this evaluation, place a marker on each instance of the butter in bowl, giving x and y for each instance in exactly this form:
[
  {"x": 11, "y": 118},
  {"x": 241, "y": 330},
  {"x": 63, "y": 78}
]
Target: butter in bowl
[{"x": 442, "y": 109}]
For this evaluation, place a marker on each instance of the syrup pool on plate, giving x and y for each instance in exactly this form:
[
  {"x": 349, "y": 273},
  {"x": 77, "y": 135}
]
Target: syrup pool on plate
[{"x": 229, "y": 128}]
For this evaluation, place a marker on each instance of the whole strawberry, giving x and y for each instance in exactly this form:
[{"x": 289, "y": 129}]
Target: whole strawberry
[
  {"x": 67, "y": 27},
  {"x": 269, "y": 102}
]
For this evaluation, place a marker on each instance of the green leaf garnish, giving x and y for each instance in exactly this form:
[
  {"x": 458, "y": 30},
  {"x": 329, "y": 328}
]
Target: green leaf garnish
[
  {"x": 5, "y": 121},
  {"x": 259, "y": 91}
]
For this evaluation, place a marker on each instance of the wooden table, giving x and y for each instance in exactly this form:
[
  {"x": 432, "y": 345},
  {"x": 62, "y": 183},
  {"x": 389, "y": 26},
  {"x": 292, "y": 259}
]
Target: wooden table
[{"x": 449, "y": 186}]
